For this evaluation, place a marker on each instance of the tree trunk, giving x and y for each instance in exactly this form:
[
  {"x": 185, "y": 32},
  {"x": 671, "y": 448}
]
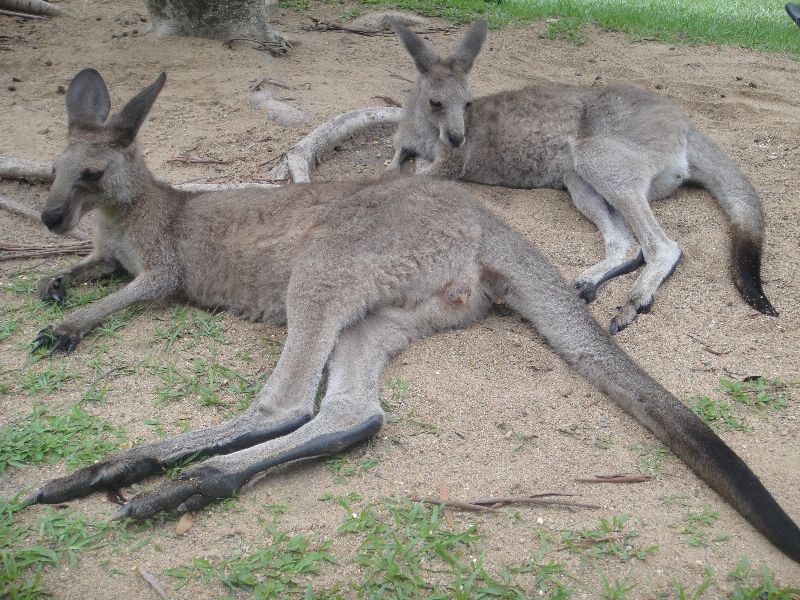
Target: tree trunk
[{"x": 216, "y": 19}]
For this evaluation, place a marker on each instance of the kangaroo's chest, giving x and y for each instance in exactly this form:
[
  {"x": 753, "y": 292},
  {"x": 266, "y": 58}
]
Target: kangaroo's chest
[{"x": 117, "y": 242}]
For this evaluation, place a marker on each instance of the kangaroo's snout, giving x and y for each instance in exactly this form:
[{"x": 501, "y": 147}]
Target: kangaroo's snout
[
  {"x": 452, "y": 138},
  {"x": 52, "y": 218},
  {"x": 455, "y": 139}
]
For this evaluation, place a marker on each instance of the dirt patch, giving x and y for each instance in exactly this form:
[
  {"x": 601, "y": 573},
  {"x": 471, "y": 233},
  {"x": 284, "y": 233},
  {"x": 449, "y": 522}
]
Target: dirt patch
[{"x": 478, "y": 387}]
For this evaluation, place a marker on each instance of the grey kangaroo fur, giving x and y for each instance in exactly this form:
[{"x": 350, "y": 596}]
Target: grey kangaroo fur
[
  {"x": 614, "y": 149},
  {"x": 357, "y": 271}
]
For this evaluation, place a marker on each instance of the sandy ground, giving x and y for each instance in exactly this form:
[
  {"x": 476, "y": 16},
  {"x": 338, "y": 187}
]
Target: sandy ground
[{"x": 475, "y": 385}]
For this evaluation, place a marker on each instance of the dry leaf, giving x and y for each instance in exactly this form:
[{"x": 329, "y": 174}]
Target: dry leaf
[{"x": 185, "y": 524}]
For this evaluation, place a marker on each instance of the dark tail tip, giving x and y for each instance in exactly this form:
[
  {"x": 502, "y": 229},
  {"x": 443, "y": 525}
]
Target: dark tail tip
[{"x": 747, "y": 272}]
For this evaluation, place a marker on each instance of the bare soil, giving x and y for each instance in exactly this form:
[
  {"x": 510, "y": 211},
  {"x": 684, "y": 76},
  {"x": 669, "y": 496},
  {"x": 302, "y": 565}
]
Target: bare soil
[{"x": 477, "y": 385}]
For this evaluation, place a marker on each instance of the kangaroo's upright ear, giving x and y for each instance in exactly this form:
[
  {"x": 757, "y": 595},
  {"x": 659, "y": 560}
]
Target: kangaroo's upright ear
[
  {"x": 464, "y": 55},
  {"x": 88, "y": 102},
  {"x": 125, "y": 124},
  {"x": 421, "y": 53}
]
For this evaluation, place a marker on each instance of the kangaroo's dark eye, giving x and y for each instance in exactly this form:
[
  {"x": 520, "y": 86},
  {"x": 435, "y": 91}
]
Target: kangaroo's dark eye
[
  {"x": 88, "y": 175},
  {"x": 435, "y": 104}
]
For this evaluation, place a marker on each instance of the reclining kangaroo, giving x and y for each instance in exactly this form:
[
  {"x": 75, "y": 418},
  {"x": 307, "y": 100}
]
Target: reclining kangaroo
[
  {"x": 614, "y": 149},
  {"x": 357, "y": 271}
]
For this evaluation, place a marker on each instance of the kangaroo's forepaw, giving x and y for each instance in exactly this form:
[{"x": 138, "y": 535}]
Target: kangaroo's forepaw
[
  {"x": 117, "y": 472},
  {"x": 52, "y": 288},
  {"x": 189, "y": 491},
  {"x": 627, "y": 313},
  {"x": 587, "y": 291},
  {"x": 60, "y": 338}
]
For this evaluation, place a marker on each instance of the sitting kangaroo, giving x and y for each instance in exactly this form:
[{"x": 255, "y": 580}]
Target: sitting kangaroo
[
  {"x": 357, "y": 271},
  {"x": 614, "y": 149}
]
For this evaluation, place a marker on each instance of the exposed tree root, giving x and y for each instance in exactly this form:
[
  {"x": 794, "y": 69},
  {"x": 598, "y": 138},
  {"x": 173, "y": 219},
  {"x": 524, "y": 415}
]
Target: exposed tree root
[
  {"x": 301, "y": 158},
  {"x": 34, "y": 7},
  {"x": 28, "y": 170}
]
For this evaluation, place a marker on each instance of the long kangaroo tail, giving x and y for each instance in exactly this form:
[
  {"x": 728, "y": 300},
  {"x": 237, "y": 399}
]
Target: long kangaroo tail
[
  {"x": 714, "y": 170},
  {"x": 535, "y": 289}
]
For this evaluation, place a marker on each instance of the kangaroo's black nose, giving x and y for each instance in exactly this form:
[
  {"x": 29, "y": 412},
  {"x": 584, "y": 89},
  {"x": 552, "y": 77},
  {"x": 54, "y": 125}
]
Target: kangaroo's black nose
[
  {"x": 455, "y": 140},
  {"x": 51, "y": 218}
]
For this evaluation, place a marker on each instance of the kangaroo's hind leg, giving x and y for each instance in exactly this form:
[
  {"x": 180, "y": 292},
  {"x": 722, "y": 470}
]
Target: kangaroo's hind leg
[
  {"x": 622, "y": 251},
  {"x": 285, "y": 403},
  {"x": 349, "y": 412},
  {"x": 622, "y": 174}
]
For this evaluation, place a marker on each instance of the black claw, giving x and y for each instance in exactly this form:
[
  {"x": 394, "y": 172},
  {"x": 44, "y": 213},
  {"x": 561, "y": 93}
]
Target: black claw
[
  {"x": 122, "y": 513},
  {"x": 586, "y": 291},
  {"x": 43, "y": 339},
  {"x": 33, "y": 498}
]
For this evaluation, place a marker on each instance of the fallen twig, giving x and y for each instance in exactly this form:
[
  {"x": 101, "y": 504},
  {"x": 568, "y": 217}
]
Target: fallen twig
[
  {"x": 151, "y": 580},
  {"x": 587, "y": 543},
  {"x": 706, "y": 346},
  {"x": 536, "y": 499},
  {"x": 274, "y": 48},
  {"x": 400, "y": 77},
  {"x": 323, "y": 26},
  {"x": 255, "y": 87},
  {"x": 446, "y": 511},
  {"x": 390, "y": 101},
  {"x": 189, "y": 159},
  {"x": 12, "y": 251},
  {"x": 223, "y": 187},
  {"x": 455, "y": 504},
  {"x": 491, "y": 504},
  {"x": 618, "y": 478}
]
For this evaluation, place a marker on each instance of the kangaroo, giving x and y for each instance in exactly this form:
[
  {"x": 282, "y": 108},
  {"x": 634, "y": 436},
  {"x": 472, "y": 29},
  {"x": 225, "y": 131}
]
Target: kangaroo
[
  {"x": 357, "y": 271},
  {"x": 614, "y": 149}
]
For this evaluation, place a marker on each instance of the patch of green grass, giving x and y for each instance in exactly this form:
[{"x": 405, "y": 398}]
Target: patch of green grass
[
  {"x": 606, "y": 541},
  {"x": 205, "y": 380},
  {"x": 700, "y": 589},
  {"x": 616, "y": 590},
  {"x": 343, "y": 467},
  {"x": 718, "y": 413},
  {"x": 760, "y": 395},
  {"x": 408, "y": 551},
  {"x": 568, "y": 29},
  {"x": 758, "y": 585},
  {"x": 7, "y": 327},
  {"x": 421, "y": 427},
  {"x": 694, "y": 527},
  {"x": 74, "y": 435},
  {"x": 758, "y": 24},
  {"x": 652, "y": 458},
  {"x": 46, "y": 377},
  {"x": 278, "y": 569},
  {"x": 190, "y": 325},
  {"x": 524, "y": 441},
  {"x": 55, "y": 537}
]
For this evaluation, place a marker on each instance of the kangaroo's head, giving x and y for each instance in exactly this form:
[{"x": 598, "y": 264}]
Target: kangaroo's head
[
  {"x": 441, "y": 90},
  {"x": 100, "y": 164}
]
